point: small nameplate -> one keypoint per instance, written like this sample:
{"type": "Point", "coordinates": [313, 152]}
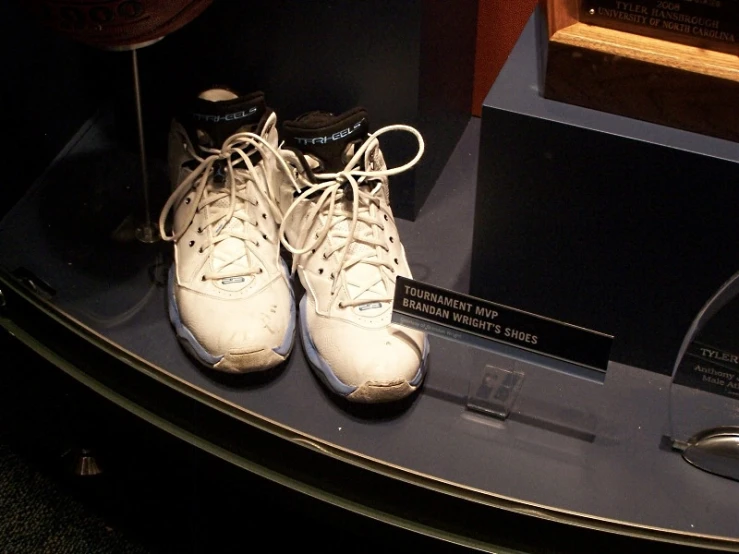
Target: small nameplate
{"type": "Point", "coordinates": [709, 369]}
{"type": "Point", "coordinates": [475, 317]}
{"type": "Point", "coordinates": [703, 21]}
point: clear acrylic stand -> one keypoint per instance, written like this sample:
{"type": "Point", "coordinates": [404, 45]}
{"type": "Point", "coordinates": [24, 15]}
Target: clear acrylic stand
{"type": "Point", "coordinates": [514, 386]}
{"type": "Point", "coordinates": [704, 392]}
{"type": "Point", "coordinates": [493, 390]}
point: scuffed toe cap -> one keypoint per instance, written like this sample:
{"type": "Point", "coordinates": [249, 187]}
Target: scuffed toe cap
{"type": "Point", "coordinates": [240, 334]}
{"type": "Point", "coordinates": [359, 357]}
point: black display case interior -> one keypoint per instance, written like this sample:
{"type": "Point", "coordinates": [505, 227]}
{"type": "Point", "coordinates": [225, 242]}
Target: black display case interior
{"type": "Point", "coordinates": [579, 455]}
{"type": "Point", "coordinates": [411, 63]}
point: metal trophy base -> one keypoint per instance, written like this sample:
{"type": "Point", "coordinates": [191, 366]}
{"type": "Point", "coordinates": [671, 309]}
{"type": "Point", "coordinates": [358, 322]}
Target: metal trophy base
{"type": "Point", "coordinates": [714, 450]}
{"type": "Point", "coordinates": [147, 233]}
{"type": "Point", "coordinates": [82, 462]}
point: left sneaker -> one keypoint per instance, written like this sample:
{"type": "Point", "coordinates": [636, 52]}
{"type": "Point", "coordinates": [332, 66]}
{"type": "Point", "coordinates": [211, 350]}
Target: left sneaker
{"type": "Point", "coordinates": [347, 252]}
{"type": "Point", "coordinates": [230, 296]}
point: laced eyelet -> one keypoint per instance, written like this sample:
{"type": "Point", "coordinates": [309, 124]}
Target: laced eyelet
{"type": "Point", "coordinates": [324, 256]}
{"type": "Point", "coordinates": [202, 278]}
{"type": "Point", "coordinates": [396, 261]}
{"type": "Point", "coordinates": [313, 251]}
{"type": "Point", "coordinates": [188, 200]}
{"type": "Point", "coordinates": [261, 270]}
{"type": "Point", "coordinates": [265, 237]}
{"type": "Point", "coordinates": [264, 216]}
{"type": "Point", "coordinates": [200, 250]}
{"type": "Point", "coordinates": [320, 271]}
{"type": "Point", "coordinates": [256, 244]}
{"type": "Point", "coordinates": [386, 217]}
{"type": "Point", "coordinates": [332, 277]}
{"type": "Point", "coordinates": [191, 243]}
{"type": "Point", "coordinates": [392, 239]}
{"type": "Point", "coordinates": [199, 230]}
{"type": "Point", "coordinates": [341, 305]}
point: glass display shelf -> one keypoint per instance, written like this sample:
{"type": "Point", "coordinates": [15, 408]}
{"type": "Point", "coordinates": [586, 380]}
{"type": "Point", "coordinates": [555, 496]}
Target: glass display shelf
{"type": "Point", "coordinates": [579, 456]}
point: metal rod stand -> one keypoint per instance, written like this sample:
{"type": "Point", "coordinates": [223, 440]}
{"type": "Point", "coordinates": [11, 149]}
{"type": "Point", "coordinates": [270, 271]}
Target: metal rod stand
{"type": "Point", "coordinates": [145, 232]}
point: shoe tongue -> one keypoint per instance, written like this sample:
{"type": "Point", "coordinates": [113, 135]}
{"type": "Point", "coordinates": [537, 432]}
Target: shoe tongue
{"type": "Point", "coordinates": [216, 114]}
{"type": "Point", "coordinates": [326, 137]}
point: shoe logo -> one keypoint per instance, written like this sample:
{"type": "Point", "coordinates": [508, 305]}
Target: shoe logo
{"type": "Point", "coordinates": [227, 117]}
{"type": "Point", "coordinates": [372, 306]}
{"type": "Point", "coordinates": [331, 138]}
{"type": "Point", "coordinates": [232, 280]}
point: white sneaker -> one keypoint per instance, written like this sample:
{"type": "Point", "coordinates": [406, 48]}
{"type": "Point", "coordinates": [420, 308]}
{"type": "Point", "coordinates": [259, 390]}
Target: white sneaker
{"type": "Point", "coordinates": [230, 297]}
{"type": "Point", "coordinates": [348, 254]}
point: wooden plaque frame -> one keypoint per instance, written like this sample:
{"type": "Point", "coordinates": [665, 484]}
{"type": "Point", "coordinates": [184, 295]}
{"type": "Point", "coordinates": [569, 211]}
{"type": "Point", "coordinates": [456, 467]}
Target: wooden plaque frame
{"type": "Point", "coordinates": [646, 78]}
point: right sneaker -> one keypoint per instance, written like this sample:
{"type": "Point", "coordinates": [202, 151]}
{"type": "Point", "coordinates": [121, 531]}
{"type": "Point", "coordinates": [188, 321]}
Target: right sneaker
{"type": "Point", "coordinates": [346, 249]}
{"type": "Point", "coordinates": [230, 296]}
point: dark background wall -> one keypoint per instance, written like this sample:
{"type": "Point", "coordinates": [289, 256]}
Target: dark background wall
{"type": "Point", "coordinates": [46, 93]}
{"type": "Point", "coordinates": [407, 62]}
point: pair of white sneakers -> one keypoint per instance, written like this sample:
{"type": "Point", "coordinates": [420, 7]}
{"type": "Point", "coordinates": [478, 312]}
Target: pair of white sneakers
{"type": "Point", "coordinates": [322, 193]}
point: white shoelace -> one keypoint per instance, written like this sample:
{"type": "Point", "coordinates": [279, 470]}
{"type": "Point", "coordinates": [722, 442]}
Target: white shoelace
{"type": "Point", "coordinates": [234, 188]}
{"type": "Point", "coordinates": [364, 210]}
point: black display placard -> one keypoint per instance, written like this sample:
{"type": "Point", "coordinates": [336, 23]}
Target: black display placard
{"type": "Point", "coordinates": [709, 23]}
{"type": "Point", "coordinates": [496, 322]}
{"type": "Point", "coordinates": [710, 369]}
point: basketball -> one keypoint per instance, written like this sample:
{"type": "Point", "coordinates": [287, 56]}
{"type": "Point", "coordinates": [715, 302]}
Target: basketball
{"type": "Point", "coordinates": [116, 24]}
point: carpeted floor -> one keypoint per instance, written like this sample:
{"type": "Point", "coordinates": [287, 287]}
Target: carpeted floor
{"type": "Point", "coordinates": [40, 516]}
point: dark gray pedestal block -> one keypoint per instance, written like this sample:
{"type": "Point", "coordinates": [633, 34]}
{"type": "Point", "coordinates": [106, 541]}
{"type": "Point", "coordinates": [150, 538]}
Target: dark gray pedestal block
{"type": "Point", "coordinates": [602, 221]}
